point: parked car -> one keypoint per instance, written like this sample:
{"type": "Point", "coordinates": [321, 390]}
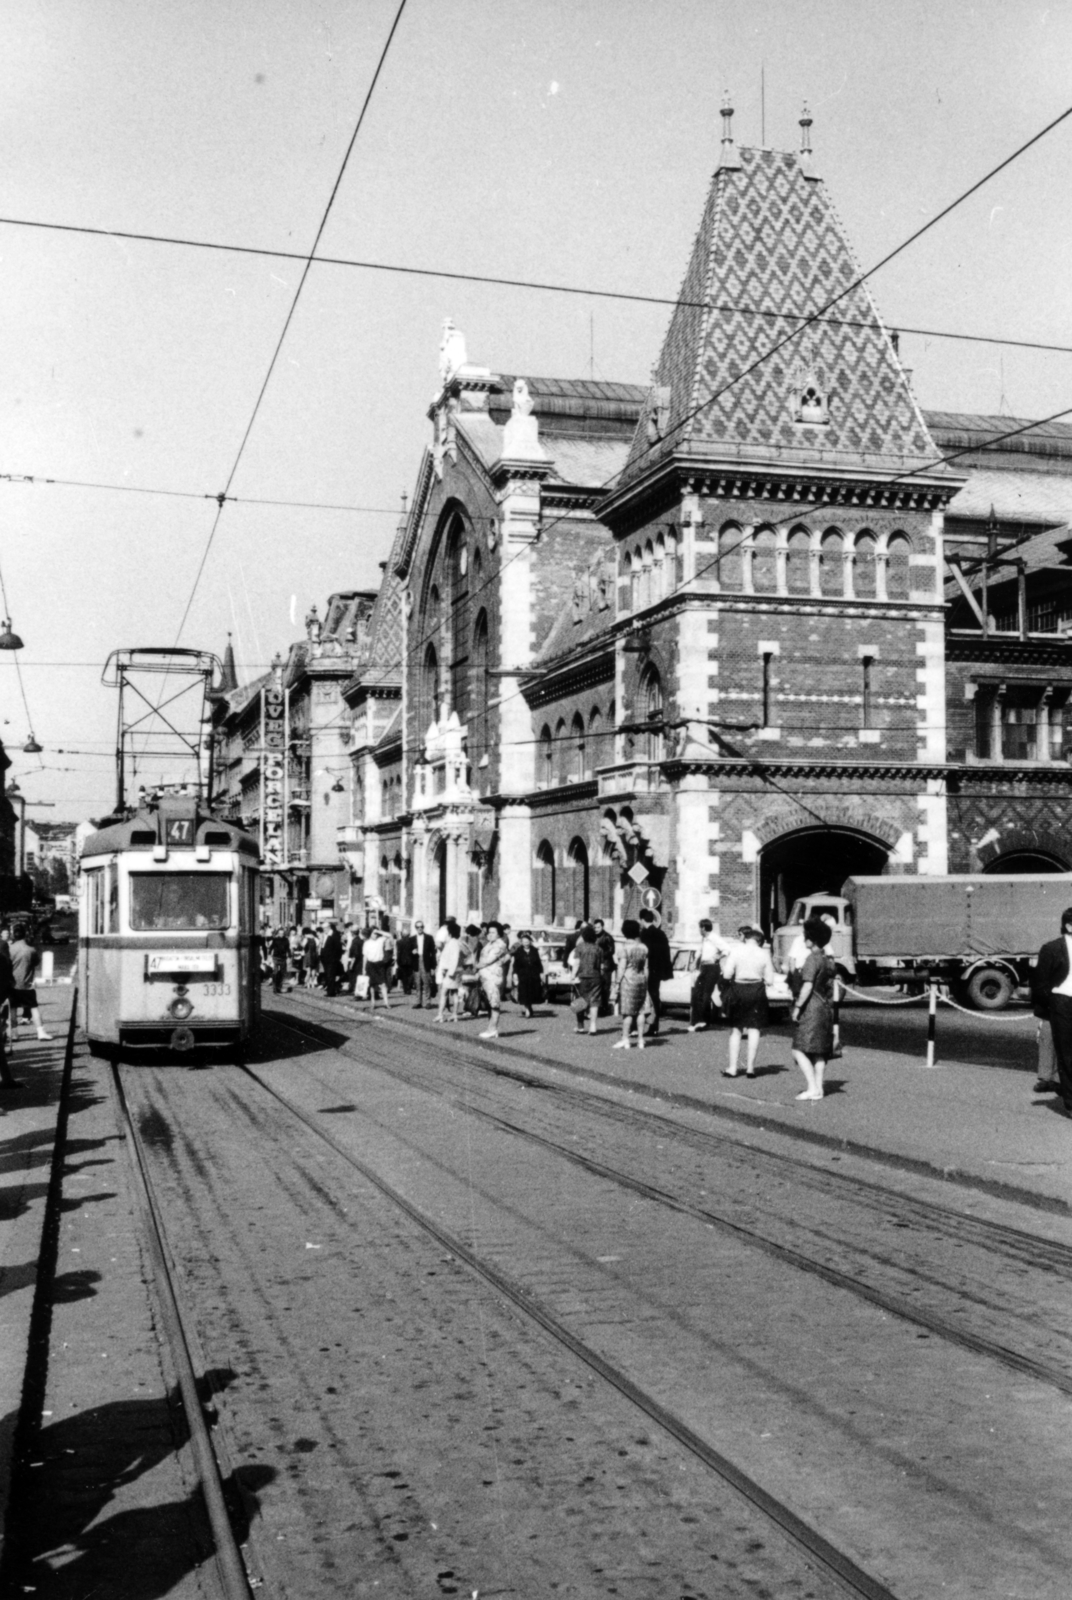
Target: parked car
{"type": "Point", "coordinates": [677, 991]}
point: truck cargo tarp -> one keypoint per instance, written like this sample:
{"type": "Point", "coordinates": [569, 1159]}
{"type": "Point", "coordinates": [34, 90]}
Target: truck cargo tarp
{"type": "Point", "coordinates": [966, 916]}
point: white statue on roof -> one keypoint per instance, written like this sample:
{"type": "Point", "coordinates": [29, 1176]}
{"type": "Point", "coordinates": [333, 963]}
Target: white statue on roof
{"type": "Point", "coordinates": [452, 352]}
{"type": "Point", "coordinates": [521, 435]}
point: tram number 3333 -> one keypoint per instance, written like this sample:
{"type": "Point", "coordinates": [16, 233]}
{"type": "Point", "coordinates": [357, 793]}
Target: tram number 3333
{"type": "Point", "coordinates": [217, 988]}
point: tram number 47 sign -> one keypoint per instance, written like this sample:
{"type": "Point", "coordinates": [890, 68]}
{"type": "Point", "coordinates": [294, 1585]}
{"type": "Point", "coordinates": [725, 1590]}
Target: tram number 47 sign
{"type": "Point", "coordinates": [638, 873]}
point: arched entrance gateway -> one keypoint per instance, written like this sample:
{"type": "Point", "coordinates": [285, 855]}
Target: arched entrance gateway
{"type": "Point", "coordinates": [1029, 862]}
{"type": "Point", "coordinates": [811, 860]}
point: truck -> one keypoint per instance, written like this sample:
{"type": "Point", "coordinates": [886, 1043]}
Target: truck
{"type": "Point", "coordinates": [978, 933]}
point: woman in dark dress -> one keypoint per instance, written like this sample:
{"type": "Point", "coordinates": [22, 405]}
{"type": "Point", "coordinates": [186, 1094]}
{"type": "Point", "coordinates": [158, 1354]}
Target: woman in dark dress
{"type": "Point", "coordinates": [586, 960]}
{"type": "Point", "coordinates": [528, 970]}
{"type": "Point", "coordinates": [813, 1013]}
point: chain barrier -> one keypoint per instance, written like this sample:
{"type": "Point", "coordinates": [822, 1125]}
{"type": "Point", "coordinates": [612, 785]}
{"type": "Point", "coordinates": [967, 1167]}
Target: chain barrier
{"type": "Point", "coordinates": [986, 1015]}
{"type": "Point", "coordinates": [906, 1000]}
{"type": "Point", "coordinates": [913, 999]}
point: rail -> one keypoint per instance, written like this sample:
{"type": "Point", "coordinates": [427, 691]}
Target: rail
{"type": "Point", "coordinates": [234, 1581]}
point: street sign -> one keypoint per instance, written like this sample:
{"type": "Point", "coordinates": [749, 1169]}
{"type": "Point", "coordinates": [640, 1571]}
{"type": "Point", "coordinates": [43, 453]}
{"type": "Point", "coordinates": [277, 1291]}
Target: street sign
{"type": "Point", "coordinates": [638, 873]}
{"type": "Point", "coordinates": [651, 899]}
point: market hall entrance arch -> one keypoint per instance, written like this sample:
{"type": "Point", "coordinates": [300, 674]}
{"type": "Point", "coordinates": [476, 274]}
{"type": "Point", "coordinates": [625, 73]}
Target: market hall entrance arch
{"type": "Point", "coordinates": [811, 861]}
{"type": "Point", "coordinates": [1028, 862]}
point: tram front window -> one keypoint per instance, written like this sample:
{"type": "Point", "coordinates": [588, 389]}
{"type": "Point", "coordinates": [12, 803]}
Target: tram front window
{"type": "Point", "coordinates": [164, 901]}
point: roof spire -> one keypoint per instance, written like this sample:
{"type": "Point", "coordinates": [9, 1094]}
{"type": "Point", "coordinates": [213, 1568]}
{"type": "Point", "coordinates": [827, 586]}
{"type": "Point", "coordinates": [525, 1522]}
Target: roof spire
{"type": "Point", "coordinates": [805, 142]}
{"type": "Point", "coordinates": [728, 156]}
{"type": "Point", "coordinates": [228, 674]}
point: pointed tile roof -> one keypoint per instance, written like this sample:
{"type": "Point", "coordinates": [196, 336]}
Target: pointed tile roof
{"type": "Point", "coordinates": [228, 671]}
{"type": "Point", "coordinates": [771, 250]}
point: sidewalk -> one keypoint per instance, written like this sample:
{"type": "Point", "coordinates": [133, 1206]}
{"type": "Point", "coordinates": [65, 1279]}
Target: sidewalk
{"type": "Point", "coordinates": [27, 1137]}
{"type": "Point", "coordinates": [973, 1118]}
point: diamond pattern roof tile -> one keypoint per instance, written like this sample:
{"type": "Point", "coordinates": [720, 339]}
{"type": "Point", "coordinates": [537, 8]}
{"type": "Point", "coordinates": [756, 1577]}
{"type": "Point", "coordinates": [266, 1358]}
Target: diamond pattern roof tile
{"type": "Point", "coordinates": [770, 250]}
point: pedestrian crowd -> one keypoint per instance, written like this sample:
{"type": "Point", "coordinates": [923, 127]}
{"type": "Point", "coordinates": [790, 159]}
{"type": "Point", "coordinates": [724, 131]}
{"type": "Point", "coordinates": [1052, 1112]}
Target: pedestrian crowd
{"type": "Point", "coordinates": [467, 972]}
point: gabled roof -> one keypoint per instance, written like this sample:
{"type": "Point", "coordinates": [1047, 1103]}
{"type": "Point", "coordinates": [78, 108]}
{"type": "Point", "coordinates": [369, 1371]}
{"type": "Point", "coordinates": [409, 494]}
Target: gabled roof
{"type": "Point", "coordinates": [771, 251]}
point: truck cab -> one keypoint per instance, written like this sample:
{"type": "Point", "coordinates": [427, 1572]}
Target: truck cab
{"type": "Point", "coordinates": [835, 910]}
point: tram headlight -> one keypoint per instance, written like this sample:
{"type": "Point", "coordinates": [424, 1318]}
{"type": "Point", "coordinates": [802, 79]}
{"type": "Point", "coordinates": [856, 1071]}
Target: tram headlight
{"type": "Point", "coordinates": [180, 1009]}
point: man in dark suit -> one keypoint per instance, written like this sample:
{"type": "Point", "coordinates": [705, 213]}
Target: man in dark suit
{"type": "Point", "coordinates": [331, 959]}
{"type": "Point", "coordinates": [1051, 995]}
{"type": "Point", "coordinates": [660, 963]}
{"type": "Point", "coordinates": [418, 951]}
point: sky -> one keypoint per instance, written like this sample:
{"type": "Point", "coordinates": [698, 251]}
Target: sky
{"type": "Point", "coordinates": [566, 141]}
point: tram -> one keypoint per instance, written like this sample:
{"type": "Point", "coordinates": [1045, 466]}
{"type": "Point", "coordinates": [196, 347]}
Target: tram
{"type": "Point", "coordinates": [167, 918]}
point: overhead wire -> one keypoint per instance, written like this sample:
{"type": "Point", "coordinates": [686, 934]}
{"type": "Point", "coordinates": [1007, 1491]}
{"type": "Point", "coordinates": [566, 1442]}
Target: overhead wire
{"type": "Point", "coordinates": [222, 498]}
{"type": "Point", "coordinates": [806, 322]}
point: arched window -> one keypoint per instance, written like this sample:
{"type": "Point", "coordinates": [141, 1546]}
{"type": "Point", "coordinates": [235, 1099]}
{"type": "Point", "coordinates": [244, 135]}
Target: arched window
{"type": "Point", "coordinates": [730, 557]}
{"type": "Point", "coordinates": [832, 563]}
{"type": "Point", "coordinates": [479, 740]}
{"type": "Point", "coordinates": [661, 585]}
{"type": "Point", "coordinates": [578, 749]}
{"type": "Point", "coordinates": [597, 755]}
{"type": "Point", "coordinates": [429, 689]}
{"type": "Point", "coordinates": [575, 894]}
{"type": "Point", "coordinates": [647, 592]}
{"type": "Point", "coordinates": [672, 575]}
{"type": "Point", "coordinates": [863, 566]}
{"type": "Point", "coordinates": [635, 573]}
{"type": "Point", "coordinates": [545, 769]}
{"type": "Point", "coordinates": [798, 562]}
{"type": "Point", "coordinates": [897, 567]}
{"type": "Point", "coordinates": [764, 562]}
{"type": "Point", "coordinates": [651, 709]}
{"type": "Point", "coordinates": [561, 753]}
{"type": "Point", "coordinates": [544, 903]}
{"type": "Point", "coordinates": [457, 628]}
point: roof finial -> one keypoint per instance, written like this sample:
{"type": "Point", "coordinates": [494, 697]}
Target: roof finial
{"type": "Point", "coordinates": [729, 156]}
{"type": "Point", "coordinates": [805, 142]}
{"type": "Point", "coordinates": [727, 118]}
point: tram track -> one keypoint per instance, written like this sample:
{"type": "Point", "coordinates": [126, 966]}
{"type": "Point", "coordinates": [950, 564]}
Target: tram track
{"type": "Point", "coordinates": [629, 1381]}
{"type": "Point", "coordinates": [1019, 1250]}
{"type": "Point", "coordinates": [840, 1574]}
{"type": "Point", "coordinates": [177, 1328]}
{"type": "Point", "coordinates": [837, 1564]}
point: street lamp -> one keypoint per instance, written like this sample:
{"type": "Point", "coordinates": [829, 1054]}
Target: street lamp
{"type": "Point", "coordinates": [15, 793]}
{"type": "Point", "coordinates": [31, 747]}
{"type": "Point", "coordinates": [9, 639]}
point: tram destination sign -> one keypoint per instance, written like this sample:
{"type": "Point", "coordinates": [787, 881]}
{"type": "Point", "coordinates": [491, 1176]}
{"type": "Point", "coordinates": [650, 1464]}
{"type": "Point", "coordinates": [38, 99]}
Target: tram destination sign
{"type": "Point", "coordinates": [158, 962]}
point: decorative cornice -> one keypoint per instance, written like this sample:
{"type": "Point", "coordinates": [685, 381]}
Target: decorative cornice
{"type": "Point", "coordinates": [1008, 649]}
{"type": "Point", "coordinates": [415, 516]}
{"type": "Point", "coordinates": [879, 486]}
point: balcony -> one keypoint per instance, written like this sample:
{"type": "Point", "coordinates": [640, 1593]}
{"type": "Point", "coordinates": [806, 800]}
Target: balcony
{"type": "Point", "coordinates": [633, 777]}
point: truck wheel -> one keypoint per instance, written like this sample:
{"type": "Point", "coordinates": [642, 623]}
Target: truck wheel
{"type": "Point", "coordinates": [989, 989]}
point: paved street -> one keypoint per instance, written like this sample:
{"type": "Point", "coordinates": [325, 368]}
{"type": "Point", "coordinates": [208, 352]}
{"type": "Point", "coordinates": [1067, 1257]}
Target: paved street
{"type": "Point", "coordinates": [495, 1318]}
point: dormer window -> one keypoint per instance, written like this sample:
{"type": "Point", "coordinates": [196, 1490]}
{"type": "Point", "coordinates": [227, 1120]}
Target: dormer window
{"type": "Point", "coordinates": [813, 405]}
{"type": "Point", "coordinates": [809, 397]}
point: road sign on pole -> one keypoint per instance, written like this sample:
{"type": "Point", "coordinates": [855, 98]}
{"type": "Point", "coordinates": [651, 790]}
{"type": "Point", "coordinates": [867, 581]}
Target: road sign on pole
{"type": "Point", "coordinates": [651, 899]}
{"type": "Point", "coordinates": [638, 873]}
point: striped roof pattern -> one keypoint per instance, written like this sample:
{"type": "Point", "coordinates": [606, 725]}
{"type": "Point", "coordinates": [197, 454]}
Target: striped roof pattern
{"type": "Point", "coordinates": [771, 250]}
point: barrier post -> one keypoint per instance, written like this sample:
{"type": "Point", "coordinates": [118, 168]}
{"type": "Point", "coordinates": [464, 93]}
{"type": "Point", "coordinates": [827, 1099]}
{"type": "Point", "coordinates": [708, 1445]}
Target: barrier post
{"type": "Point", "coordinates": [837, 1014]}
{"type": "Point", "coordinates": [932, 1017]}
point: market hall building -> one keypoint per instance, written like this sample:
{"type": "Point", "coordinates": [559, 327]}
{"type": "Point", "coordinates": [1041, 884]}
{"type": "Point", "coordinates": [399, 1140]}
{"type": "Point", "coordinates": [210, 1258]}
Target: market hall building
{"type": "Point", "coordinates": [732, 636]}
{"type": "Point", "coordinates": [688, 637]}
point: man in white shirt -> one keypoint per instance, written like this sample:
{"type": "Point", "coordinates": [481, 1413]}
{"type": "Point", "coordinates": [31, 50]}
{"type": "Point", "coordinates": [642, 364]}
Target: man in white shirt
{"type": "Point", "coordinates": [712, 949]}
{"type": "Point", "coordinates": [1051, 994]}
